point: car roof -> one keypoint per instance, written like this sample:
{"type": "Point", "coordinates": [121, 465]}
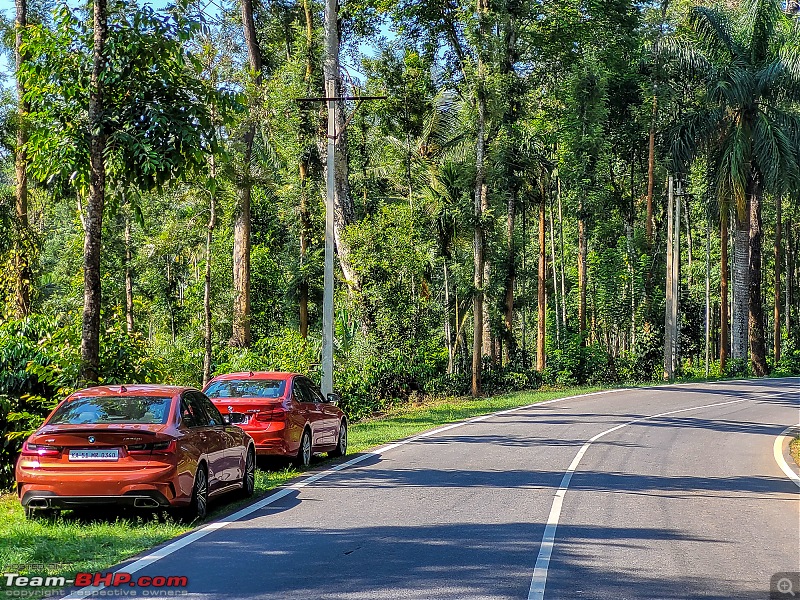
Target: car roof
{"type": "Point", "coordinates": [256, 375]}
{"type": "Point", "coordinates": [134, 389]}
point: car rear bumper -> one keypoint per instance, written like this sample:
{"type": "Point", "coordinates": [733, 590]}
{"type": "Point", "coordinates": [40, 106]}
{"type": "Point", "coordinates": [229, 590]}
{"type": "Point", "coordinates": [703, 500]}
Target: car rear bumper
{"type": "Point", "coordinates": [101, 487]}
{"type": "Point", "coordinates": [42, 499]}
{"type": "Point", "coordinates": [269, 440]}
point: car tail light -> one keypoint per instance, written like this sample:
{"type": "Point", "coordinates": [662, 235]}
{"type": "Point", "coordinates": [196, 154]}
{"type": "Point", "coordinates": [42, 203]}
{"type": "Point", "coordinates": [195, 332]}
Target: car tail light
{"type": "Point", "coordinates": [275, 414]}
{"type": "Point", "coordinates": [168, 447]}
{"type": "Point", "coordinates": [29, 449]}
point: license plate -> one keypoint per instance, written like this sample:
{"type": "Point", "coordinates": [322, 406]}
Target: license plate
{"type": "Point", "coordinates": [94, 454]}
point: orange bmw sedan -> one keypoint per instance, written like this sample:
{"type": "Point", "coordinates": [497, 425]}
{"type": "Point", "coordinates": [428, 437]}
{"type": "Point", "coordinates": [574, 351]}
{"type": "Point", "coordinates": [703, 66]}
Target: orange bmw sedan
{"type": "Point", "coordinates": [146, 446]}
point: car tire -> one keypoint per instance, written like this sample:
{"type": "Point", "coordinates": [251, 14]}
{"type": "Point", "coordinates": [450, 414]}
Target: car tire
{"type": "Point", "coordinates": [341, 445]}
{"type": "Point", "coordinates": [249, 475]}
{"type": "Point", "coordinates": [198, 507]}
{"type": "Point", "coordinates": [305, 451]}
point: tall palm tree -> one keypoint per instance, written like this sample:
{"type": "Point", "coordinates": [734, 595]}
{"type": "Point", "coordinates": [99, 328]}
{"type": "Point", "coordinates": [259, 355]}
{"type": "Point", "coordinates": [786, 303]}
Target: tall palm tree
{"type": "Point", "coordinates": [748, 124]}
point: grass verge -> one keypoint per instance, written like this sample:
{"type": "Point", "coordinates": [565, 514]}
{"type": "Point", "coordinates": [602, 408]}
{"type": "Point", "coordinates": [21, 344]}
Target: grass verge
{"type": "Point", "coordinates": [794, 449]}
{"type": "Point", "coordinates": [79, 543]}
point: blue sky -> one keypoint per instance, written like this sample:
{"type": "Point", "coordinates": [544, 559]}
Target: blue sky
{"type": "Point", "coordinates": [7, 10]}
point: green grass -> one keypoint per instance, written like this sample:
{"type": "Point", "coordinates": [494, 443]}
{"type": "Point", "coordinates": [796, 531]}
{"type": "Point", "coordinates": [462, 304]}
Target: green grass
{"type": "Point", "coordinates": [75, 543]}
{"type": "Point", "coordinates": [794, 449]}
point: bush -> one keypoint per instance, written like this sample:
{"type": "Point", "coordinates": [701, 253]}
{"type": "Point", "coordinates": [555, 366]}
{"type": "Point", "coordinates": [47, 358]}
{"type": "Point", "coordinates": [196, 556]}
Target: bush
{"type": "Point", "coordinates": [40, 365]}
{"type": "Point", "coordinates": [789, 364]}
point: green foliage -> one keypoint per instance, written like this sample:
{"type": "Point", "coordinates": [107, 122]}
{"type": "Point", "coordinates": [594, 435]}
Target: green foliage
{"type": "Point", "coordinates": [287, 351]}
{"type": "Point", "coordinates": [157, 115]}
{"type": "Point", "coordinates": [569, 104]}
{"type": "Point", "coordinates": [40, 365]}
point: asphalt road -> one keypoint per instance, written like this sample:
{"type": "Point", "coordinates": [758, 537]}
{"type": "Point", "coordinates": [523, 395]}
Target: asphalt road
{"type": "Point", "coordinates": [690, 504]}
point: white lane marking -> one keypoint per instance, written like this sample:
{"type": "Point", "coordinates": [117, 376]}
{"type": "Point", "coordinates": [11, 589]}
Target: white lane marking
{"type": "Point", "coordinates": [539, 579]}
{"type": "Point", "coordinates": [777, 451]}
{"type": "Point", "coordinates": [149, 559]}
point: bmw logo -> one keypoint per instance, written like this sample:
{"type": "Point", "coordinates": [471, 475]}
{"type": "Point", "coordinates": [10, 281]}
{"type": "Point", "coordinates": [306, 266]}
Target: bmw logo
{"type": "Point", "coordinates": [91, 439]}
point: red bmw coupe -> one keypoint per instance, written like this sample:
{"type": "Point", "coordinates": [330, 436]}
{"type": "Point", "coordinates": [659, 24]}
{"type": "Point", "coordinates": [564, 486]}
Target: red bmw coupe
{"type": "Point", "coordinates": [146, 446]}
{"type": "Point", "coordinates": [285, 413]}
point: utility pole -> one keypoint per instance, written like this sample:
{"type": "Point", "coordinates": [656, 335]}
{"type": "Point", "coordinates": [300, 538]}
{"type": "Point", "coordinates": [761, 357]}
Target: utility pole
{"type": "Point", "coordinates": [327, 295]}
{"type": "Point", "coordinates": [331, 99]}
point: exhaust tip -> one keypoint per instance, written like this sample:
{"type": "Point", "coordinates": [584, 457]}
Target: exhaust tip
{"type": "Point", "coordinates": [39, 503]}
{"type": "Point", "coordinates": [145, 503]}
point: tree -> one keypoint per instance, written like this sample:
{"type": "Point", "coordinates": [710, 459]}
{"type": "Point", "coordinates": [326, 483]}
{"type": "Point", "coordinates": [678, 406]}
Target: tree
{"type": "Point", "coordinates": [241, 230]}
{"type": "Point", "coordinates": [97, 115]}
{"type": "Point", "coordinates": [90, 334]}
{"type": "Point", "coordinates": [749, 68]}
{"type": "Point", "coordinates": [22, 270]}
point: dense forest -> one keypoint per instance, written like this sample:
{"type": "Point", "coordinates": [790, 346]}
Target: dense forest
{"type": "Point", "coordinates": [550, 192]}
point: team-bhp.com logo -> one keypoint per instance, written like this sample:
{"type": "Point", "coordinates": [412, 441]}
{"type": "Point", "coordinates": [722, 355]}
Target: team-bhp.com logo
{"type": "Point", "coordinates": [113, 584]}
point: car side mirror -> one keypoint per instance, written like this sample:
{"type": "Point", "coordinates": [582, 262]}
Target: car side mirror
{"type": "Point", "coordinates": [334, 399]}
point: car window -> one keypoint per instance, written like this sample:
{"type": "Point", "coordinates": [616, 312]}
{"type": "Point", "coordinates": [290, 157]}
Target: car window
{"type": "Point", "coordinates": [300, 392]}
{"type": "Point", "coordinates": [189, 416]}
{"type": "Point", "coordinates": [113, 409]}
{"type": "Point", "coordinates": [214, 416]}
{"type": "Point", "coordinates": [246, 388]}
{"type": "Point", "coordinates": [312, 390]}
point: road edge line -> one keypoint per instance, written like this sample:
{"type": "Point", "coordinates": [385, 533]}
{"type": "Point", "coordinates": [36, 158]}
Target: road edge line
{"type": "Point", "coordinates": [777, 452]}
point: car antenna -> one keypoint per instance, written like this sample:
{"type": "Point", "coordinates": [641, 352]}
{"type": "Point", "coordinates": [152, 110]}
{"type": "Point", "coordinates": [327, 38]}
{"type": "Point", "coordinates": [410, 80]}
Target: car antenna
{"type": "Point", "coordinates": [251, 373]}
{"type": "Point", "coordinates": [122, 388]}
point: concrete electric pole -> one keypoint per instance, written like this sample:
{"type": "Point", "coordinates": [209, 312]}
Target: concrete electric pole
{"type": "Point", "coordinates": [331, 99]}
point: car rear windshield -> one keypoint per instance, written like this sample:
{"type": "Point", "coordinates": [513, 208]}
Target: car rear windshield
{"type": "Point", "coordinates": [247, 388]}
{"type": "Point", "coordinates": [113, 409]}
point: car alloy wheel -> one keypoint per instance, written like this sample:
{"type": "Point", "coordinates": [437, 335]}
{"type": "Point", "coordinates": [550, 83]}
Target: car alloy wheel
{"type": "Point", "coordinates": [249, 480]}
{"type": "Point", "coordinates": [200, 495]}
{"type": "Point", "coordinates": [304, 452]}
{"type": "Point", "coordinates": [341, 447]}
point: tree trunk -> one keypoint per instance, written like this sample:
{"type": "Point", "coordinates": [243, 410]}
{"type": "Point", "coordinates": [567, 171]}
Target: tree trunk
{"type": "Point", "coordinates": [488, 342]}
{"type": "Point", "coordinates": [542, 299]}
{"type": "Point", "coordinates": [92, 240]}
{"type": "Point", "coordinates": [448, 333]}
{"type": "Point", "coordinates": [651, 165]}
{"type": "Point", "coordinates": [741, 283]}
{"type": "Point", "coordinates": [241, 254]}
{"type": "Point", "coordinates": [511, 275]}
{"type": "Point", "coordinates": [22, 270]}
{"type": "Point", "coordinates": [480, 200]}
{"type": "Point", "coordinates": [555, 274]}
{"type": "Point", "coordinates": [689, 239]}
{"type": "Point", "coordinates": [758, 349]}
{"type": "Point", "coordinates": [309, 39]}
{"type": "Point", "coordinates": [478, 251]}
{"type": "Point", "coordinates": [207, 331]}
{"type": "Point", "coordinates": [561, 253]}
{"type": "Point", "coordinates": [790, 268]}
{"type": "Point", "coordinates": [723, 289]}
{"type": "Point", "coordinates": [776, 335]}
{"type": "Point", "coordinates": [305, 214]}
{"type": "Point", "coordinates": [305, 235]}
{"type": "Point", "coordinates": [582, 279]}
{"type": "Point", "coordinates": [128, 275]}
{"type": "Point", "coordinates": [241, 225]}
